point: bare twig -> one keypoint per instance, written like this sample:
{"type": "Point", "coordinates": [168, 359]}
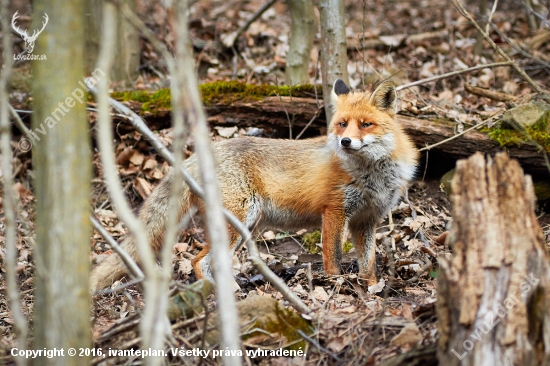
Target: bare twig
{"type": "Point", "coordinates": [309, 123]}
{"type": "Point", "coordinates": [195, 188]}
{"type": "Point", "coordinates": [491, 94]}
{"type": "Point", "coordinates": [516, 47]}
{"type": "Point", "coordinates": [148, 328]}
{"type": "Point", "coordinates": [493, 9]}
{"type": "Point", "coordinates": [468, 16]}
{"type": "Point", "coordinates": [229, 40]}
{"type": "Point", "coordinates": [453, 73]}
{"type": "Point", "coordinates": [9, 203]}
{"type": "Point", "coordinates": [454, 137]}
{"type": "Point", "coordinates": [19, 123]}
{"type": "Point", "coordinates": [213, 208]}
{"type": "Point", "coordinates": [126, 258]}
{"type": "Point", "coordinates": [317, 345]}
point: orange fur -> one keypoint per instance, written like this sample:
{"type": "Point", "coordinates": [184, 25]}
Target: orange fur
{"type": "Point", "coordinates": [290, 184]}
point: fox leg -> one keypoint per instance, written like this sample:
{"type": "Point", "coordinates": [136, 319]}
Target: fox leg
{"type": "Point", "coordinates": [365, 244]}
{"type": "Point", "coordinates": [202, 265]}
{"type": "Point", "coordinates": [249, 216]}
{"type": "Point", "coordinates": [333, 236]}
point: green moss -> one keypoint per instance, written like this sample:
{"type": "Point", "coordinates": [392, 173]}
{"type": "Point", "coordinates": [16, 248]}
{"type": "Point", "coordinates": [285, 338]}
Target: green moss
{"type": "Point", "coordinates": [286, 323]}
{"type": "Point", "coordinates": [310, 241]}
{"type": "Point", "coordinates": [161, 99]}
{"type": "Point", "coordinates": [347, 247]}
{"type": "Point", "coordinates": [151, 101]}
{"type": "Point", "coordinates": [230, 91]}
{"type": "Point", "coordinates": [537, 133]}
{"type": "Point", "coordinates": [217, 92]}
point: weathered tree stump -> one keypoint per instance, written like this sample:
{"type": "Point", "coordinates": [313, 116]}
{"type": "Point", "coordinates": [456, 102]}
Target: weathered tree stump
{"type": "Point", "coordinates": [494, 294]}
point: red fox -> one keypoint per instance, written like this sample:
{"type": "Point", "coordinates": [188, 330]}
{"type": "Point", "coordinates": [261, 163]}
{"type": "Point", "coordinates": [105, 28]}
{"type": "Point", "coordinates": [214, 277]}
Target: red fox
{"type": "Point", "coordinates": [348, 180]}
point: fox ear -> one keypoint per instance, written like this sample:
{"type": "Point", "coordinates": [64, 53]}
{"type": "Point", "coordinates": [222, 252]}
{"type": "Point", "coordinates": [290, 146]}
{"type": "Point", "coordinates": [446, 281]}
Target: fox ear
{"type": "Point", "coordinates": [384, 97]}
{"type": "Point", "coordinates": [339, 88]}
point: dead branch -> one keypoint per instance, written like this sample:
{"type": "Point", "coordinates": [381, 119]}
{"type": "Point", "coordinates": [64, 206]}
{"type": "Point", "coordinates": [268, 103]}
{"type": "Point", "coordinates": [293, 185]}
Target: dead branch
{"type": "Point", "coordinates": [491, 94]}
{"type": "Point", "coordinates": [453, 73]}
{"type": "Point", "coordinates": [148, 326]}
{"type": "Point", "coordinates": [405, 40]}
{"type": "Point", "coordinates": [213, 208]}
{"type": "Point", "coordinates": [140, 126]}
{"type": "Point", "coordinates": [132, 266]}
{"type": "Point", "coordinates": [9, 202]}
{"type": "Point", "coordinates": [465, 13]}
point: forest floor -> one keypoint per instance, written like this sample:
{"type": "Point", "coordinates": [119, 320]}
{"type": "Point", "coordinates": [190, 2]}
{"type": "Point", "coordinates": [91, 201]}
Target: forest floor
{"type": "Point", "coordinates": [352, 325]}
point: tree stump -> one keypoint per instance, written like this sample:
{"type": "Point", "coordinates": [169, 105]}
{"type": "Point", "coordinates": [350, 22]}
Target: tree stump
{"type": "Point", "coordinates": [494, 293]}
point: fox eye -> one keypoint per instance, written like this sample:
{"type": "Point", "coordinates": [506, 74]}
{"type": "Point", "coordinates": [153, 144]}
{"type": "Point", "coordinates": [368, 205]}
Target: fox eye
{"type": "Point", "coordinates": [343, 124]}
{"type": "Point", "coordinates": [366, 124]}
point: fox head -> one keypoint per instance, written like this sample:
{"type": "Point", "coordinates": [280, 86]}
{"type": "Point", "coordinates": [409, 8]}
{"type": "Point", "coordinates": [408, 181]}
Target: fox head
{"type": "Point", "coordinates": [363, 123]}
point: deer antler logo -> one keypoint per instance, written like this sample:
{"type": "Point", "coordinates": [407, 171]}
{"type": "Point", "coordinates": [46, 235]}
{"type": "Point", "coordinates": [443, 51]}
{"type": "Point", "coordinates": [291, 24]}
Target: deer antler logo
{"type": "Point", "coordinates": [29, 40]}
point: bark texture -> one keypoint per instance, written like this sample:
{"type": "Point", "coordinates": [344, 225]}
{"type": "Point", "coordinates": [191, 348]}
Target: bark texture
{"type": "Point", "coordinates": [124, 70]}
{"type": "Point", "coordinates": [494, 294]}
{"type": "Point", "coordinates": [127, 56]}
{"type": "Point", "coordinates": [334, 57]}
{"type": "Point", "coordinates": [302, 33]}
{"type": "Point", "coordinates": [61, 157]}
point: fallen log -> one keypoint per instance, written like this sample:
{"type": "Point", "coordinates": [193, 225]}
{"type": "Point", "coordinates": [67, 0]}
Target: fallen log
{"type": "Point", "coordinates": [278, 113]}
{"type": "Point", "coordinates": [270, 112]}
{"type": "Point", "coordinates": [494, 293]}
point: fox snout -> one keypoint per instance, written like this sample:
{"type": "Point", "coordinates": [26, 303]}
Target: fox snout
{"type": "Point", "coordinates": [351, 143]}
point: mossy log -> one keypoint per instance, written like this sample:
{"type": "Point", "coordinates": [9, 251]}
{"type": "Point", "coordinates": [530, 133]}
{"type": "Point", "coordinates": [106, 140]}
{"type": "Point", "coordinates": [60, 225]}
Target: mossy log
{"type": "Point", "coordinates": [276, 108]}
{"type": "Point", "coordinates": [493, 303]}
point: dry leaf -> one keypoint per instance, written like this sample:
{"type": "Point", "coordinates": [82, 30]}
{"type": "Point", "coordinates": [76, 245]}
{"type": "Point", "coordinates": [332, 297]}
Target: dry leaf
{"type": "Point", "coordinates": [181, 247]}
{"type": "Point", "coordinates": [320, 294]}
{"type": "Point", "coordinates": [150, 164]}
{"type": "Point", "coordinates": [374, 289]}
{"type": "Point", "coordinates": [184, 266]}
{"type": "Point", "coordinates": [226, 132]}
{"type": "Point", "coordinates": [269, 235]}
{"type": "Point", "coordinates": [337, 344]}
{"type": "Point", "coordinates": [409, 337]}
{"type": "Point", "coordinates": [142, 187]}
{"type": "Point", "coordinates": [137, 158]}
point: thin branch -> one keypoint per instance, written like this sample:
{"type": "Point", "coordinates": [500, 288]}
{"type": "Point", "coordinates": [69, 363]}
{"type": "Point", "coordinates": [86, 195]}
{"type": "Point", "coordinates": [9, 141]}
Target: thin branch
{"type": "Point", "coordinates": [19, 123]}
{"type": "Point", "coordinates": [465, 13]}
{"type": "Point", "coordinates": [516, 47]}
{"type": "Point", "coordinates": [9, 203]}
{"type": "Point", "coordinates": [213, 208]}
{"type": "Point", "coordinates": [453, 73]}
{"type": "Point", "coordinates": [493, 9]}
{"type": "Point", "coordinates": [453, 137]}
{"type": "Point", "coordinates": [229, 40]}
{"type": "Point", "coordinates": [126, 258]}
{"type": "Point", "coordinates": [195, 188]}
{"type": "Point", "coordinates": [105, 138]}
{"type": "Point", "coordinates": [309, 123]}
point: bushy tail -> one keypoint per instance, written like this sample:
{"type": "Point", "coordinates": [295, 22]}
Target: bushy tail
{"type": "Point", "coordinates": [153, 216]}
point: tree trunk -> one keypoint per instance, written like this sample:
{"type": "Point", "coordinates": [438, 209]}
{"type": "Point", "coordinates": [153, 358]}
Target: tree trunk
{"type": "Point", "coordinates": [61, 158]}
{"type": "Point", "coordinates": [127, 57]}
{"type": "Point", "coordinates": [124, 71]}
{"type": "Point", "coordinates": [92, 34]}
{"type": "Point", "coordinates": [494, 294]}
{"type": "Point", "coordinates": [334, 57]}
{"type": "Point", "coordinates": [302, 32]}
